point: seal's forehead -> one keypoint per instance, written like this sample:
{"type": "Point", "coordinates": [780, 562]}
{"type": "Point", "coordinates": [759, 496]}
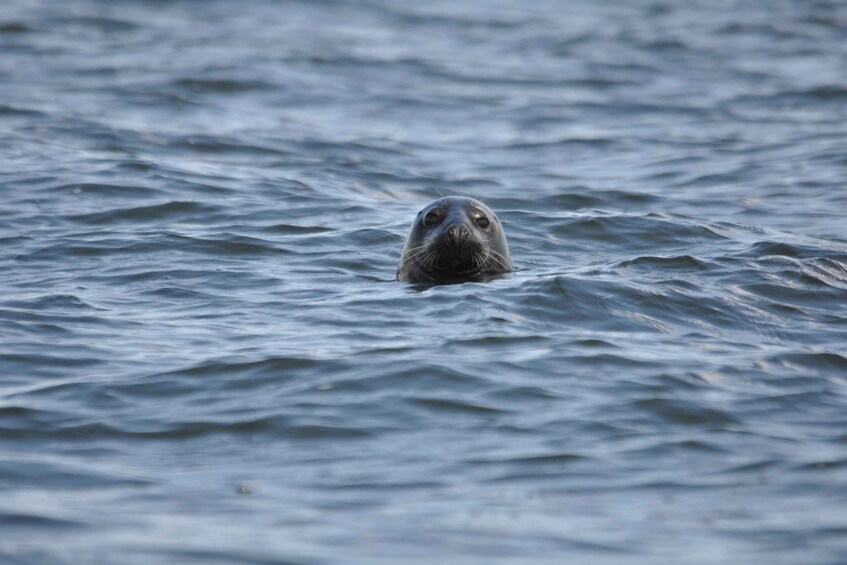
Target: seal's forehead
{"type": "Point", "coordinates": [449, 202]}
{"type": "Point", "coordinates": [440, 203]}
{"type": "Point", "coordinates": [479, 207]}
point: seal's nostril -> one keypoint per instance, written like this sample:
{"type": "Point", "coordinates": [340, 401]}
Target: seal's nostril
{"type": "Point", "coordinates": [458, 232]}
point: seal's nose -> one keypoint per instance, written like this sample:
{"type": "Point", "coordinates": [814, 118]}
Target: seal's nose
{"type": "Point", "coordinates": [458, 232]}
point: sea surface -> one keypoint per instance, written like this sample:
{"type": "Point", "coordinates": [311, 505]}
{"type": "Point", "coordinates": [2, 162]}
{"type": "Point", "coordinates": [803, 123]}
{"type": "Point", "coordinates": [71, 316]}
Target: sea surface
{"type": "Point", "coordinates": [204, 355]}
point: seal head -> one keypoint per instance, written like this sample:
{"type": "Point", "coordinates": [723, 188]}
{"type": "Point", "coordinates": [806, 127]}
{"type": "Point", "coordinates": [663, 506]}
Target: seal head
{"type": "Point", "coordinates": [454, 239]}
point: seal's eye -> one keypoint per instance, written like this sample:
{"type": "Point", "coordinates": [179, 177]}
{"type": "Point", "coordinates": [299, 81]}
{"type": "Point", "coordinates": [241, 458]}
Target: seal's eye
{"type": "Point", "coordinates": [430, 219]}
{"type": "Point", "coordinates": [482, 222]}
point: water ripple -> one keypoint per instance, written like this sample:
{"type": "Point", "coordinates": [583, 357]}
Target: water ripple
{"type": "Point", "coordinates": [206, 358]}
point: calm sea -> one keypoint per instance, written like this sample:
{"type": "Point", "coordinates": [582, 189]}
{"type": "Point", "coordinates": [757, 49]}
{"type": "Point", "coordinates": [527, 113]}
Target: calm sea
{"type": "Point", "coordinates": [204, 356]}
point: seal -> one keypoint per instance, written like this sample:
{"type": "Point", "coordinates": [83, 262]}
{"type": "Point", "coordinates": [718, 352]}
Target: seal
{"type": "Point", "coordinates": [454, 239]}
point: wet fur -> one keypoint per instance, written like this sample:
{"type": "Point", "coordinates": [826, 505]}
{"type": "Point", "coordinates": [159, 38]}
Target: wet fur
{"type": "Point", "coordinates": [431, 255]}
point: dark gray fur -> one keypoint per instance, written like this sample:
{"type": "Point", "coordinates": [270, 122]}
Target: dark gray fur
{"type": "Point", "coordinates": [450, 242]}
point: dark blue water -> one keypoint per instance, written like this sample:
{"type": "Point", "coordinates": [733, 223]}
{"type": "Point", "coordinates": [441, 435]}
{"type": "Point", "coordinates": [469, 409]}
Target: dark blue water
{"type": "Point", "coordinates": [204, 357]}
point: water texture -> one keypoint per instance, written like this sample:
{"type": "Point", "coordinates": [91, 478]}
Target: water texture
{"type": "Point", "coordinates": [204, 356]}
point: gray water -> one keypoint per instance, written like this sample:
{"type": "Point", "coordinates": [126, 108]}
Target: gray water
{"type": "Point", "coordinates": [204, 356]}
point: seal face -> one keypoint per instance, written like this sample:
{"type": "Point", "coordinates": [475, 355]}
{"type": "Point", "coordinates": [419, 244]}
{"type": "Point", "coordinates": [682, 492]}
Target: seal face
{"type": "Point", "coordinates": [454, 239]}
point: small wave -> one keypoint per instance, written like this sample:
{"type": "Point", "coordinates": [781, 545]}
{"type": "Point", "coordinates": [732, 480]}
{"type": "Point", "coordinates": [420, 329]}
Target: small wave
{"type": "Point", "coordinates": [532, 460]}
{"type": "Point", "coordinates": [14, 27]}
{"type": "Point", "coordinates": [824, 362]}
{"type": "Point", "coordinates": [228, 245]}
{"type": "Point", "coordinates": [25, 473]}
{"type": "Point", "coordinates": [761, 249]}
{"type": "Point", "coordinates": [218, 145]}
{"type": "Point", "coordinates": [166, 211]}
{"type": "Point", "coordinates": [454, 405]}
{"type": "Point", "coordinates": [632, 231]}
{"type": "Point", "coordinates": [290, 229]}
{"type": "Point", "coordinates": [274, 367]}
{"type": "Point", "coordinates": [101, 24]}
{"type": "Point", "coordinates": [224, 85]}
{"type": "Point", "coordinates": [677, 263]}
{"type": "Point", "coordinates": [50, 302]}
{"type": "Point", "coordinates": [18, 111]}
{"type": "Point", "coordinates": [109, 190]}
{"type": "Point", "coordinates": [13, 520]}
{"type": "Point", "coordinates": [685, 412]}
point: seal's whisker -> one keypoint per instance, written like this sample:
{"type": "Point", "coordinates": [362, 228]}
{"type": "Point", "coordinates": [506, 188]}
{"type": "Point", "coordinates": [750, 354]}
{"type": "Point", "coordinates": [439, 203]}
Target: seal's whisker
{"type": "Point", "coordinates": [416, 252]}
{"type": "Point", "coordinates": [411, 256]}
{"type": "Point", "coordinates": [500, 259]}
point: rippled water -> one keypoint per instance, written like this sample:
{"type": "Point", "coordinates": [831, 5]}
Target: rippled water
{"type": "Point", "coordinates": [204, 357]}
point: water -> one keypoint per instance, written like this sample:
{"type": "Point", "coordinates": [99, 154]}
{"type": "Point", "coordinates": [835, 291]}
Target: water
{"type": "Point", "coordinates": [205, 357]}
